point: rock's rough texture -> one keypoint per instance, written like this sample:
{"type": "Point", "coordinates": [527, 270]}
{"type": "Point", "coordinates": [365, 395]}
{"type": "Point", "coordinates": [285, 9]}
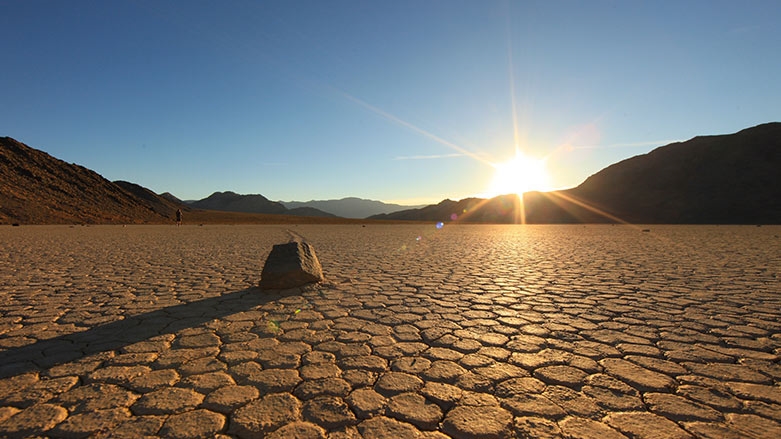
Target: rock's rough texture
{"type": "Point", "coordinates": [291, 265]}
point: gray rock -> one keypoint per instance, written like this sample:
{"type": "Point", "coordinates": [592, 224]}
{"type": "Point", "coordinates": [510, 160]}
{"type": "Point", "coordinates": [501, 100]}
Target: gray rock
{"type": "Point", "coordinates": [291, 265]}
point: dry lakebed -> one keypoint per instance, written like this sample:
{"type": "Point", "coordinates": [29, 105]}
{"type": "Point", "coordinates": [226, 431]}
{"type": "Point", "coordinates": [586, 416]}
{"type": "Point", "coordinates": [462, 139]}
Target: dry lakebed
{"type": "Point", "coordinates": [463, 331]}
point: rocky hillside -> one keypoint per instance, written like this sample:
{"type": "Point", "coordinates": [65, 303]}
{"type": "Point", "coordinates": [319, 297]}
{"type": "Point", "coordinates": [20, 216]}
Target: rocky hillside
{"type": "Point", "coordinates": [161, 204]}
{"type": "Point", "coordinates": [37, 188]}
{"type": "Point", "coordinates": [40, 189]}
{"type": "Point", "coordinates": [725, 179]}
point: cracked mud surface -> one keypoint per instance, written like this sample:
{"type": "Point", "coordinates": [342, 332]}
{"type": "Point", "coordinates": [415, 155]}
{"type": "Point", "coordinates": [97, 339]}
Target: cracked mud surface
{"type": "Point", "coordinates": [463, 332]}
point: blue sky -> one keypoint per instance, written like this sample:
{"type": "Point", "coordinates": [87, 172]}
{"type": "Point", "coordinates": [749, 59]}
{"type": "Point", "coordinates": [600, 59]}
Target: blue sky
{"type": "Point", "coordinates": [406, 101]}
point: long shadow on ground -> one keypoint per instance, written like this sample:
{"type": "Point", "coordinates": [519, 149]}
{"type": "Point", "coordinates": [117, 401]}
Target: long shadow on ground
{"type": "Point", "coordinates": [132, 329]}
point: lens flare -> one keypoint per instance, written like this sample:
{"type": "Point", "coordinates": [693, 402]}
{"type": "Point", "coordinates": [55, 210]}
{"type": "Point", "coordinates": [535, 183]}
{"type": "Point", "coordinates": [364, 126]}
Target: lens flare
{"type": "Point", "coordinates": [520, 174]}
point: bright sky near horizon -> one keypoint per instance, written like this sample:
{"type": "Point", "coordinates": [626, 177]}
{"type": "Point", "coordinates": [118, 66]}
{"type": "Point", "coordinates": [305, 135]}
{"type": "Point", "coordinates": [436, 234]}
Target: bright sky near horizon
{"type": "Point", "coordinates": [400, 101]}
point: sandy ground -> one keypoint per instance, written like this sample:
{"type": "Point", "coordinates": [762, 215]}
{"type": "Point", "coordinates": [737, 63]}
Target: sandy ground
{"type": "Point", "coordinates": [464, 331]}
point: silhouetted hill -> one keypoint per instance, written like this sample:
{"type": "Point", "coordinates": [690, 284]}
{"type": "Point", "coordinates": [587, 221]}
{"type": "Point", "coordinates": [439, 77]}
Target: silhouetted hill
{"type": "Point", "coordinates": [538, 208]}
{"type": "Point", "coordinates": [172, 198]}
{"type": "Point", "coordinates": [158, 203]}
{"type": "Point", "coordinates": [725, 179]}
{"type": "Point", "coordinates": [233, 202]}
{"type": "Point", "coordinates": [350, 207]}
{"type": "Point", "coordinates": [40, 189]}
{"type": "Point", "coordinates": [733, 178]}
{"type": "Point", "coordinates": [435, 212]}
{"type": "Point", "coordinates": [309, 211]}
{"type": "Point", "coordinates": [253, 203]}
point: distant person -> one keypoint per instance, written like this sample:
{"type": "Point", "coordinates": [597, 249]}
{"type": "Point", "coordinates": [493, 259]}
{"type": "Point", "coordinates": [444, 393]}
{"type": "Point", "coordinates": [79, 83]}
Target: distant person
{"type": "Point", "coordinates": [178, 217]}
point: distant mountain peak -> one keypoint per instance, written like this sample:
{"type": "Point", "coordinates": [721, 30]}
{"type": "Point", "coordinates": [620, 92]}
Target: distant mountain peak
{"type": "Point", "coordinates": [171, 197]}
{"type": "Point", "coordinates": [349, 207]}
{"type": "Point", "coordinates": [251, 203]}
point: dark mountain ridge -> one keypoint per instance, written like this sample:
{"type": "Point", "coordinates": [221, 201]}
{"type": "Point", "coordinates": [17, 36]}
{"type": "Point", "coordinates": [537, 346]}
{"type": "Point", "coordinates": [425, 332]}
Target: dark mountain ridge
{"type": "Point", "coordinates": [233, 202]}
{"type": "Point", "coordinates": [724, 179]}
{"type": "Point", "coordinates": [160, 204]}
{"type": "Point", "coordinates": [732, 178]}
{"type": "Point", "coordinates": [350, 207]}
{"type": "Point", "coordinates": [172, 198]}
{"type": "Point", "coordinates": [253, 203]}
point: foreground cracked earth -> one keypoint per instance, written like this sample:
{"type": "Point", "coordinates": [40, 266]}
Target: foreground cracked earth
{"type": "Point", "coordinates": [464, 332]}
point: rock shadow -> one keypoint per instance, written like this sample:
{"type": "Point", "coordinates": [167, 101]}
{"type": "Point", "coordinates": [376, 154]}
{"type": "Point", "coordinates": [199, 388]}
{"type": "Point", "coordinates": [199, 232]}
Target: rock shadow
{"type": "Point", "coordinates": [47, 353]}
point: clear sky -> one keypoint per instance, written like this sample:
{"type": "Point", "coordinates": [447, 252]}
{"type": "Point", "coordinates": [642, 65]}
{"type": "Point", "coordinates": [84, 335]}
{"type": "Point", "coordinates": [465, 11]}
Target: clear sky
{"type": "Point", "coordinates": [405, 101]}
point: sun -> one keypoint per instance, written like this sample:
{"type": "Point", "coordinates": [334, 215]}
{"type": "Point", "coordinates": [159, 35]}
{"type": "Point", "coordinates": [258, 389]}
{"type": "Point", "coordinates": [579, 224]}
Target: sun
{"type": "Point", "coordinates": [520, 174]}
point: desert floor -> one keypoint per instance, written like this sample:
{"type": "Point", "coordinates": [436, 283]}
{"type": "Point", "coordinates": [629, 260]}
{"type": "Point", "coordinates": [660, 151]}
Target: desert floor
{"type": "Point", "coordinates": [464, 331]}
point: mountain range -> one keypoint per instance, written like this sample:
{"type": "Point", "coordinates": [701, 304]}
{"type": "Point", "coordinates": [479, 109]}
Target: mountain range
{"type": "Point", "coordinates": [350, 207]}
{"type": "Point", "coordinates": [252, 203]}
{"type": "Point", "coordinates": [40, 189]}
{"type": "Point", "coordinates": [724, 179]}
{"type": "Point", "coordinates": [720, 179]}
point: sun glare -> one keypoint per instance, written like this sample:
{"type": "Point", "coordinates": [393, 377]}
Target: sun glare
{"type": "Point", "coordinates": [520, 174]}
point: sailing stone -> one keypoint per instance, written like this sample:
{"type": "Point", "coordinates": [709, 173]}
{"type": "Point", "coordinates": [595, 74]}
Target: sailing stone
{"type": "Point", "coordinates": [291, 265]}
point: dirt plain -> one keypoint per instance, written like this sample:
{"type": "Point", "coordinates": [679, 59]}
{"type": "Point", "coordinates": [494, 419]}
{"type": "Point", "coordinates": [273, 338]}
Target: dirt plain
{"type": "Point", "coordinates": [418, 331]}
